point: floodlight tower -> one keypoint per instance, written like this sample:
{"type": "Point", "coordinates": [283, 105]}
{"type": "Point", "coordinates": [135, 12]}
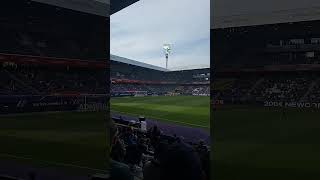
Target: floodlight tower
{"type": "Point", "coordinates": [167, 50]}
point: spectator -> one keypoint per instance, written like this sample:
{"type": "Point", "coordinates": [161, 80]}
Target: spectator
{"type": "Point", "coordinates": [178, 161]}
{"type": "Point", "coordinates": [119, 170]}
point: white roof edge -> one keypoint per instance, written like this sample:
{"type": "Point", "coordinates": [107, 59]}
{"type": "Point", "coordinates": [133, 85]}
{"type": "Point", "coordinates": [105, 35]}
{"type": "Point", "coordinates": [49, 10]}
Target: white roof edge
{"type": "Point", "coordinates": [190, 68]}
{"type": "Point", "coordinates": [275, 17]}
{"type": "Point", "coordinates": [136, 63]}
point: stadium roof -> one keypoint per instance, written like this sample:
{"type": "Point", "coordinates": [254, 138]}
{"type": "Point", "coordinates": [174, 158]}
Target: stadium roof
{"type": "Point", "coordinates": [231, 13]}
{"type": "Point", "coordinates": [135, 63]}
{"type": "Point", "coordinates": [149, 66]}
{"type": "Point", "coordinates": [117, 5]}
{"type": "Point", "coordinates": [97, 7]}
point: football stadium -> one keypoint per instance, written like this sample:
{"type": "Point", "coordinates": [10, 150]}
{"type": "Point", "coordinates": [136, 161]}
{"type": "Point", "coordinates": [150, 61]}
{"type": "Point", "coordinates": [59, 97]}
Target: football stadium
{"type": "Point", "coordinates": [265, 95]}
{"type": "Point", "coordinates": [177, 102]}
{"type": "Point", "coordinates": [54, 95]}
{"type": "Point", "coordinates": [160, 116]}
{"type": "Point", "coordinates": [178, 97]}
{"type": "Point", "coordinates": [155, 109]}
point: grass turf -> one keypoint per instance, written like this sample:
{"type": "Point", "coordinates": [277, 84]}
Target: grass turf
{"type": "Point", "coordinates": [78, 138]}
{"type": "Point", "coordinates": [184, 110]}
{"type": "Point", "coordinates": [248, 143]}
{"type": "Point", "coordinates": [264, 144]}
{"type": "Point", "coordinates": [69, 138]}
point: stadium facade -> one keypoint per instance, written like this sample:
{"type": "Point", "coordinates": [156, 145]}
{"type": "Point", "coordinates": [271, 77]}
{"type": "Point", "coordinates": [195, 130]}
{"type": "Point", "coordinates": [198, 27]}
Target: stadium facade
{"type": "Point", "coordinates": [130, 78]}
{"type": "Point", "coordinates": [267, 56]}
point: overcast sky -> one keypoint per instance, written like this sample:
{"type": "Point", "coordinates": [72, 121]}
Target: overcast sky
{"type": "Point", "coordinates": [139, 31]}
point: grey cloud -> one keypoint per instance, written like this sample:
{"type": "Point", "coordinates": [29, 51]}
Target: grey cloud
{"type": "Point", "coordinates": [139, 31]}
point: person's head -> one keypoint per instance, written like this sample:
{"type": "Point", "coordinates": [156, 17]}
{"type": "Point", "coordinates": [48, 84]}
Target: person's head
{"type": "Point", "coordinates": [141, 141]}
{"type": "Point", "coordinates": [201, 142]}
{"type": "Point", "coordinates": [177, 161]}
{"type": "Point", "coordinates": [32, 175]}
{"type": "Point", "coordinates": [151, 171]}
{"type": "Point", "coordinates": [117, 150]}
{"type": "Point", "coordinates": [113, 130]}
{"type": "Point", "coordinates": [155, 128]}
{"type": "Point", "coordinates": [133, 154]}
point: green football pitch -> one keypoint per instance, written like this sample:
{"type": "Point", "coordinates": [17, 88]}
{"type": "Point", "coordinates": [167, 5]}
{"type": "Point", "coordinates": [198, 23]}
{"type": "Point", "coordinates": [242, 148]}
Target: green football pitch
{"type": "Point", "coordinates": [68, 140]}
{"type": "Point", "coordinates": [265, 144]}
{"type": "Point", "coordinates": [183, 110]}
{"type": "Point", "coordinates": [79, 139]}
{"type": "Point", "coordinates": [248, 143]}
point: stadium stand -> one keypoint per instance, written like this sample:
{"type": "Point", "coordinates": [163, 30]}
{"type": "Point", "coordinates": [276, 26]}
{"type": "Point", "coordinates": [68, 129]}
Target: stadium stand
{"type": "Point", "coordinates": [129, 77]}
{"type": "Point", "coordinates": [279, 69]}
{"type": "Point", "coordinates": [28, 79]}
{"type": "Point", "coordinates": [45, 51]}
{"type": "Point", "coordinates": [53, 75]}
{"type": "Point", "coordinates": [272, 86]}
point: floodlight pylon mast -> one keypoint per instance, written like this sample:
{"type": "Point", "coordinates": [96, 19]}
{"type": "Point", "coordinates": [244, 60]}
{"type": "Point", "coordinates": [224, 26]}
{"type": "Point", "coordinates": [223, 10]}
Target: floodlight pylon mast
{"type": "Point", "coordinates": [167, 57]}
{"type": "Point", "coordinates": [167, 49]}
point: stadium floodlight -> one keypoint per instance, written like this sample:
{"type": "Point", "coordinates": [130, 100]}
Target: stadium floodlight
{"type": "Point", "coordinates": [167, 50]}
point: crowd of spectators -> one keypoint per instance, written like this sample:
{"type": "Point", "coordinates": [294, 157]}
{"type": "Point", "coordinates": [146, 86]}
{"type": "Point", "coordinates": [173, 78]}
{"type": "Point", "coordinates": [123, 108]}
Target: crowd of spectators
{"type": "Point", "coordinates": [282, 89]}
{"type": "Point", "coordinates": [161, 89]}
{"type": "Point", "coordinates": [31, 79]}
{"type": "Point", "coordinates": [152, 155]}
{"type": "Point", "coordinates": [19, 79]}
{"type": "Point", "coordinates": [233, 89]}
{"type": "Point", "coordinates": [147, 88]}
{"type": "Point", "coordinates": [26, 80]}
{"type": "Point", "coordinates": [127, 71]}
{"type": "Point", "coordinates": [276, 88]}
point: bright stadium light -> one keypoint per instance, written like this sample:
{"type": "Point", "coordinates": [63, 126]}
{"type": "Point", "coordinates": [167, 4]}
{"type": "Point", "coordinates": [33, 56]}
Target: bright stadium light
{"type": "Point", "coordinates": [167, 50]}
